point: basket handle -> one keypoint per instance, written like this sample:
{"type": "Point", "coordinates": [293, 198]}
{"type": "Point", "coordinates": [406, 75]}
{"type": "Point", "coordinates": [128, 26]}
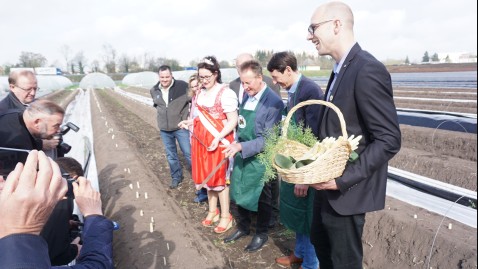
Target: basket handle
{"type": "Point", "coordinates": [314, 102]}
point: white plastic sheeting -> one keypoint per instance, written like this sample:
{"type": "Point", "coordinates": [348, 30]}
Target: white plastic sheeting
{"type": "Point", "coordinates": [96, 80]}
{"type": "Point", "coordinates": [146, 79]}
{"type": "Point", "coordinates": [51, 83]}
{"type": "Point", "coordinates": [46, 83]}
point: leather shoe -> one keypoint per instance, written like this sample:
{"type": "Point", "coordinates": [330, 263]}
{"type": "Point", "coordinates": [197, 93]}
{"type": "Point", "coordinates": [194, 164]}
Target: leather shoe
{"type": "Point", "coordinates": [257, 242]}
{"type": "Point", "coordinates": [288, 260]}
{"type": "Point", "coordinates": [234, 236]}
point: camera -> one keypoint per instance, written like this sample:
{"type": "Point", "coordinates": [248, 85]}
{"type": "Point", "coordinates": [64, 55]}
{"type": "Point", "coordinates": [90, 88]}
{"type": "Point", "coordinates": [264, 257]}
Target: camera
{"type": "Point", "coordinates": [63, 148]}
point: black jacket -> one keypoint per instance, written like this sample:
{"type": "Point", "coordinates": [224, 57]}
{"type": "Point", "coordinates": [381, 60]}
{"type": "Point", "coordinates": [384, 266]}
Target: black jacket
{"type": "Point", "coordinates": [177, 109]}
{"type": "Point", "coordinates": [363, 93]}
{"type": "Point", "coordinates": [14, 133]}
{"type": "Point", "coordinates": [11, 102]}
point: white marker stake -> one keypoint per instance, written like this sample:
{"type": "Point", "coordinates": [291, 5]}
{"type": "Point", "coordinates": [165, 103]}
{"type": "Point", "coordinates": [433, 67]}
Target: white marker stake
{"type": "Point", "coordinates": [137, 184]}
{"type": "Point", "coordinates": [137, 195]}
{"type": "Point", "coordinates": [152, 220]}
{"type": "Point", "coordinates": [131, 186]}
{"type": "Point", "coordinates": [145, 195]}
{"type": "Point", "coordinates": [141, 213]}
{"type": "Point", "coordinates": [151, 227]}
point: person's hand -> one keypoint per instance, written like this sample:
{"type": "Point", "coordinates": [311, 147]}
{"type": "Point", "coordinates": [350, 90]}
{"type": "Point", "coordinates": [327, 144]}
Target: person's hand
{"type": "Point", "coordinates": [213, 145]}
{"type": "Point", "coordinates": [329, 185]}
{"type": "Point", "coordinates": [300, 190]}
{"type": "Point", "coordinates": [231, 149]}
{"type": "Point", "coordinates": [49, 144]}
{"type": "Point", "coordinates": [185, 124]}
{"type": "Point", "coordinates": [76, 242]}
{"type": "Point", "coordinates": [29, 196]}
{"type": "Point", "coordinates": [87, 199]}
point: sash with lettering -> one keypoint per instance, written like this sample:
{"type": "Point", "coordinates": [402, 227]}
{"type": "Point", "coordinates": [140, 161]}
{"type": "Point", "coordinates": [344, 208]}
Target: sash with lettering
{"type": "Point", "coordinates": [203, 162]}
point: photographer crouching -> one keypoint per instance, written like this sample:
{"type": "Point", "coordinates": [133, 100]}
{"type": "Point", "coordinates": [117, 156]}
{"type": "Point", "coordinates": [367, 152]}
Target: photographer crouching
{"type": "Point", "coordinates": [24, 209]}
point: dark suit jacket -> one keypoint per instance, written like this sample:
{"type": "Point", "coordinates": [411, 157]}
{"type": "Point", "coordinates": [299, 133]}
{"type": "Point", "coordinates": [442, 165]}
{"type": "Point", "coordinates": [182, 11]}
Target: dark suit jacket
{"type": "Point", "coordinates": [307, 89]}
{"type": "Point", "coordinates": [268, 113]}
{"type": "Point", "coordinates": [363, 93]}
{"type": "Point", "coordinates": [236, 84]}
{"type": "Point", "coordinates": [11, 102]}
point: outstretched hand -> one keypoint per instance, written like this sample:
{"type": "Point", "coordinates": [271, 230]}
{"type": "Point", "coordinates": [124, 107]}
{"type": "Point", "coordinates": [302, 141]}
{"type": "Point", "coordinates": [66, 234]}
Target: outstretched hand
{"type": "Point", "coordinates": [29, 195]}
{"type": "Point", "coordinates": [87, 199]}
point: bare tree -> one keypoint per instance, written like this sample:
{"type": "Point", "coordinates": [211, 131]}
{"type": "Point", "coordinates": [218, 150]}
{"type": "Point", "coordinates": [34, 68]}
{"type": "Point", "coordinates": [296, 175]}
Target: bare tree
{"type": "Point", "coordinates": [95, 66]}
{"type": "Point", "coordinates": [109, 57]}
{"type": "Point", "coordinates": [80, 61]}
{"type": "Point", "coordinates": [66, 52]}
{"type": "Point", "coordinates": [124, 63]}
{"type": "Point", "coordinates": [31, 59]}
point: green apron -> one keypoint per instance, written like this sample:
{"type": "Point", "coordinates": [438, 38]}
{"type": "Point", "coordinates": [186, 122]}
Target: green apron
{"type": "Point", "coordinates": [246, 179]}
{"type": "Point", "coordinates": [295, 212]}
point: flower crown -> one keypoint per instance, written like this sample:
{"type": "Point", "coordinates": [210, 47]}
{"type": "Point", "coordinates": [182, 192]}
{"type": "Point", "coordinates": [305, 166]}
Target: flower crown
{"type": "Point", "coordinates": [207, 61]}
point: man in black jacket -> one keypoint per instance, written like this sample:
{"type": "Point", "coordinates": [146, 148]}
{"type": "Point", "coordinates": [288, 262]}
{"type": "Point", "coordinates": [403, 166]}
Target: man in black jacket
{"type": "Point", "coordinates": [24, 130]}
{"type": "Point", "coordinates": [23, 89]}
{"type": "Point", "coordinates": [172, 104]}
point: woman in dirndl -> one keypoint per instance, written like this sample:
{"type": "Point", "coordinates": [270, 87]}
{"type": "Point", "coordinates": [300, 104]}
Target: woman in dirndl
{"type": "Point", "coordinates": [214, 126]}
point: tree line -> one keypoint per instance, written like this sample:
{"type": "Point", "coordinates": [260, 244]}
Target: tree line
{"type": "Point", "coordinates": [111, 62]}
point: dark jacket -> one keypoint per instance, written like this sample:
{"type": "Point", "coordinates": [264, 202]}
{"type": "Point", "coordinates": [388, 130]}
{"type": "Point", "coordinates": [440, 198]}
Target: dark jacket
{"type": "Point", "coordinates": [11, 102]}
{"type": "Point", "coordinates": [14, 133]}
{"type": "Point", "coordinates": [31, 251]}
{"type": "Point", "coordinates": [306, 90]}
{"type": "Point", "coordinates": [363, 93]}
{"type": "Point", "coordinates": [177, 109]}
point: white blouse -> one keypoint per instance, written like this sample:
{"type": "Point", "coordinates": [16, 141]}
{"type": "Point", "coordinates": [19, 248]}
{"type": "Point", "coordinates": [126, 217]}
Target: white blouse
{"type": "Point", "coordinates": [228, 98]}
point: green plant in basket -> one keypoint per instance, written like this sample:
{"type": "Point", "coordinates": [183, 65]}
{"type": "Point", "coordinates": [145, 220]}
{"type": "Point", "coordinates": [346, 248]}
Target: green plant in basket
{"type": "Point", "coordinates": [274, 145]}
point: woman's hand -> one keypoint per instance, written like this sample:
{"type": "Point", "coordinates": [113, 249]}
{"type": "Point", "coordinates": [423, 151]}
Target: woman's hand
{"type": "Point", "coordinates": [213, 145]}
{"type": "Point", "coordinates": [185, 124]}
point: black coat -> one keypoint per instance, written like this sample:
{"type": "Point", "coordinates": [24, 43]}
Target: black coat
{"type": "Point", "coordinates": [363, 93]}
{"type": "Point", "coordinates": [14, 133]}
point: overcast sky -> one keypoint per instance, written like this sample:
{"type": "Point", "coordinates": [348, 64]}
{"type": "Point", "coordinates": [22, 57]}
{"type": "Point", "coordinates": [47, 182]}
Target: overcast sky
{"type": "Point", "coordinates": [191, 29]}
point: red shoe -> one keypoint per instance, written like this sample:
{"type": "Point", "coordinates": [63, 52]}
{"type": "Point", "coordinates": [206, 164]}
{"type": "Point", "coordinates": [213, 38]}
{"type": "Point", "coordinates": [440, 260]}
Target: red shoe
{"type": "Point", "coordinates": [209, 222]}
{"type": "Point", "coordinates": [220, 230]}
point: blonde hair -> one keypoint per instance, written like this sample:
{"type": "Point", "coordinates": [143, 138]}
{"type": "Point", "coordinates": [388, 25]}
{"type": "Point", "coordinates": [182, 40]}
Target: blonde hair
{"type": "Point", "coordinates": [193, 77]}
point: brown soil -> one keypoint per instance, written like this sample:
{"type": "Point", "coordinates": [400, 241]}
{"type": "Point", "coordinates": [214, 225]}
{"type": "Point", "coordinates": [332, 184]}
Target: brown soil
{"type": "Point", "coordinates": [392, 237]}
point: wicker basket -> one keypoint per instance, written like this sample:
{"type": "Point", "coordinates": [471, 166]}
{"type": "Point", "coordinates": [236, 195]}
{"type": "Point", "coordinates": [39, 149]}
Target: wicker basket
{"type": "Point", "coordinates": [327, 166]}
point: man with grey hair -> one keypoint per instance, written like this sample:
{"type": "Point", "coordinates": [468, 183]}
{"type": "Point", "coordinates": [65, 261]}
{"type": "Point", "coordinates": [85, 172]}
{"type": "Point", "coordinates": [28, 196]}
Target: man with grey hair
{"type": "Point", "coordinates": [237, 87]}
{"type": "Point", "coordinates": [24, 130]}
{"type": "Point", "coordinates": [23, 86]}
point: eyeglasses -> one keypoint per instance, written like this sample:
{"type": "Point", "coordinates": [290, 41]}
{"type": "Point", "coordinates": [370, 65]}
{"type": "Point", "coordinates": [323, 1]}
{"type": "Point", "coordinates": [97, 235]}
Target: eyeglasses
{"type": "Point", "coordinates": [313, 27]}
{"type": "Point", "coordinates": [28, 90]}
{"type": "Point", "coordinates": [205, 77]}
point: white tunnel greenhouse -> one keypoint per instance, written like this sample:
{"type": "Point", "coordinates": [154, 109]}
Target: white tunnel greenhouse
{"type": "Point", "coordinates": [146, 79]}
{"type": "Point", "coordinates": [96, 80]}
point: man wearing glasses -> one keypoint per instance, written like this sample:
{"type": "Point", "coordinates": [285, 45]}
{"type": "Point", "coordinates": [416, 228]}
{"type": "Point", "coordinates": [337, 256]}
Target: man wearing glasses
{"type": "Point", "coordinates": [23, 88]}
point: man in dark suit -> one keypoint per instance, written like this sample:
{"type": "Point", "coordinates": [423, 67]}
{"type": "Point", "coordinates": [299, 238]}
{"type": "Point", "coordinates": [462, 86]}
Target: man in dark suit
{"type": "Point", "coordinates": [361, 88]}
{"type": "Point", "coordinates": [283, 69]}
{"type": "Point", "coordinates": [296, 200]}
{"type": "Point", "coordinates": [237, 87]}
{"type": "Point", "coordinates": [259, 112]}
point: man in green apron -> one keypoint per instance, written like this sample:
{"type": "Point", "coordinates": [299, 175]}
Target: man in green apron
{"type": "Point", "coordinates": [296, 200]}
{"type": "Point", "coordinates": [259, 112]}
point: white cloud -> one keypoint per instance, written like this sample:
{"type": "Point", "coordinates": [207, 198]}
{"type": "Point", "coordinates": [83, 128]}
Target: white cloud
{"type": "Point", "coordinates": [190, 29]}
